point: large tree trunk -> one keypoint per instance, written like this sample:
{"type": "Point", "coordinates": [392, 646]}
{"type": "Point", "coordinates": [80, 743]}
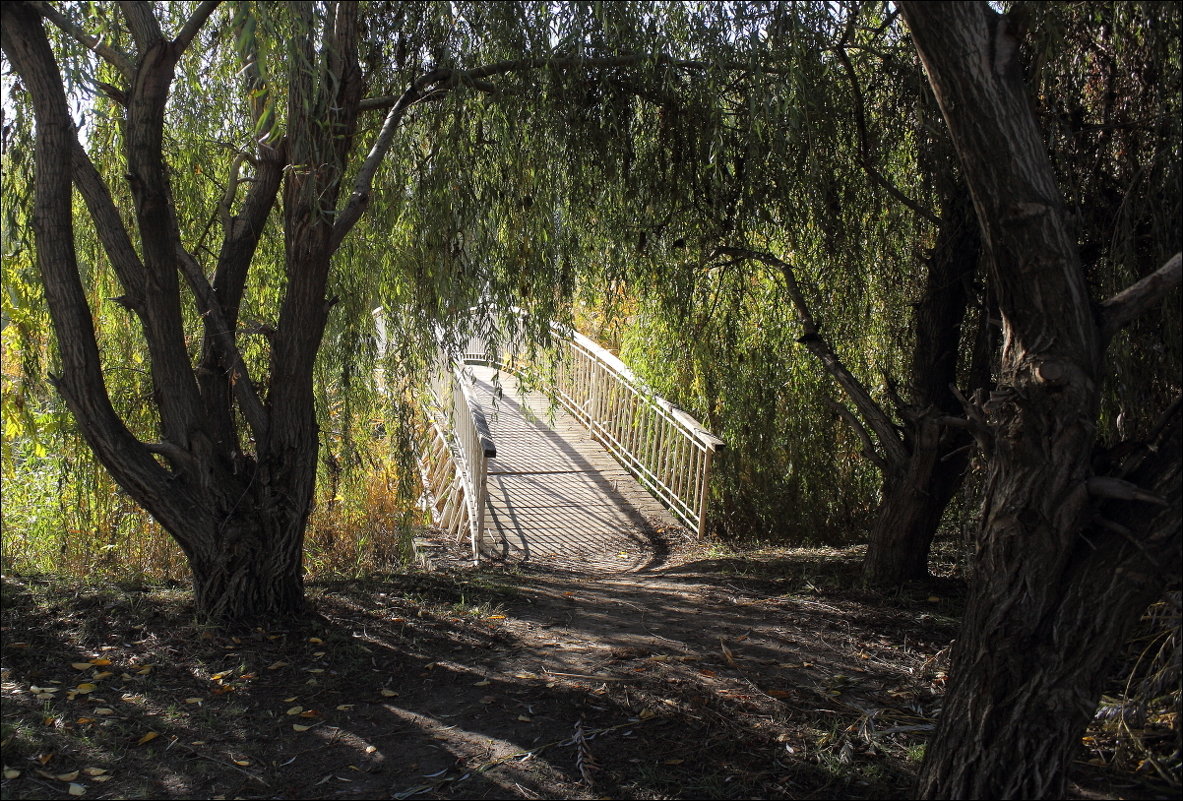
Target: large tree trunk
{"type": "Point", "coordinates": [1061, 575]}
{"type": "Point", "coordinates": [917, 489]}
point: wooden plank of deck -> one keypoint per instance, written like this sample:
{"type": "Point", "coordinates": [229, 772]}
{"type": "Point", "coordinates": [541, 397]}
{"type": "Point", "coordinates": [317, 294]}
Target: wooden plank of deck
{"type": "Point", "coordinates": [555, 496]}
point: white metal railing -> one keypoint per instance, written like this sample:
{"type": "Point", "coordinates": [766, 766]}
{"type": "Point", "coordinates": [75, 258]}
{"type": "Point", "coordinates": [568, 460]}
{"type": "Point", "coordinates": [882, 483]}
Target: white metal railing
{"type": "Point", "coordinates": [667, 450]}
{"type": "Point", "coordinates": [456, 470]}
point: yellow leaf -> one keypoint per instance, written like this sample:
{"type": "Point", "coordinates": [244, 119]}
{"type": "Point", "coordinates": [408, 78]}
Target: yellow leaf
{"type": "Point", "coordinates": [103, 675]}
{"type": "Point", "coordinates": [318, 654]}
{"type": "Point", "coordinates": [193, 700]}
{"type": "Point", "coordinates": [673, 762]}
{"type": "Point", "coordinates": [94, 771]}
{"type": "Point", "coordinates": [299, 727]}
{"type": "Point", "coordinates": [66, 777]}
{"type": "Point", "coordinates": [220, 676]}
{"type": "Point", "coordinates": [524, 719]}
{"type": "Point", "coordinates": [147, 738]}
{"type": "Point", "coordinates": [44, 758]}
{"type": "Point", "coordinates": [86, 687]}
{"type": "Point", "coordinates": [310, 713]}
{"type": "Point", "coordinates": [77, 789]}
{"type": "Point", "coordinates": [100, 662]}
{"type": "Point", "coordinates": [646, 714]}
{"type": "Point", "coordinates": [11, 773]}
{"type": "Point", "coordinates": [104, 710]}
{"type": "Point", "coordinates": [344, 707]}
{"type": "Point", "coordinates": [389, 693]}
{"type": "Point", "coordinates": [295, 710]}
{"type": "Point", "coordinates": [144, 671]}
{"type": "Point", "coordinates": [484, 683]}
{"type": "Point", "coordinates": [289, 700]}
{"type": "Point", "coordinates": [496, 617]}
{"type": "Point", "coordinates": [242, 762]}
{"type": "Point", "coordinates": [103, 778]}
{"type": "Point", "coordinates": [316, 640]}
{"type": "Point", "coordinates": [81, 665]}
{"type": "Point", "coordinates": [84, 721]}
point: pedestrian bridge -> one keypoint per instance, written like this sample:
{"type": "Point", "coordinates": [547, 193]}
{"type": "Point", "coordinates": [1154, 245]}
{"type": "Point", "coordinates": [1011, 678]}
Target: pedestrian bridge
{"type": "Point", "coordinates": [563, 460]}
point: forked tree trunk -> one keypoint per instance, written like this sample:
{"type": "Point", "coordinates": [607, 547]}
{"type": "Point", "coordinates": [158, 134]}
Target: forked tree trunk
{"type": "Point", "coordinates": [919, 484]}
{"type": "Point", "coordinates": [914, 502]}
{"type": "Point", "coordinates": [239, 517]}
{"type": "Point", "coordinates": [1065, 566]}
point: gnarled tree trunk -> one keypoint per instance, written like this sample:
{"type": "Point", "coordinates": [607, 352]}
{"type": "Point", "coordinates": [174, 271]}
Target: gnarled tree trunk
{"type": "Point", "coordinates": [1067, 559]}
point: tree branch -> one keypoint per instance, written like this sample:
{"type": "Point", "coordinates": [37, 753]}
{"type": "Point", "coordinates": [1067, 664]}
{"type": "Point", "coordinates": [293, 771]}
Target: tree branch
{"type": "Point", "coordinates": [216, 324]}
{"type": "Point", "coordinates": [359, 198]}
{"type": "Point", "coordinates": [142, 23]}
{"type": "Point", "coordinates": [446, 79]}
{"type": "Point", "coordinates": [868, 445]}
{"type": "Point", "coordinates": [875, 417]}
{"type": "Point", "coordinates": [860, 121]}
{"type": "Point", "coordinates": [117, 58]}
{"type": "Point", "coordinates": [193, 25]}
{"type": "Point", "coordinates": [109, 225]}
{"type": "Point", "coordinates": [1133, 301]}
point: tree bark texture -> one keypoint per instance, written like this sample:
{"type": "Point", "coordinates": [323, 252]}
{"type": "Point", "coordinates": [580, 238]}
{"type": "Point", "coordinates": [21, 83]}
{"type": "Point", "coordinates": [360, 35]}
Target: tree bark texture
{"type": "Point", "coordinates": [1061, 574]}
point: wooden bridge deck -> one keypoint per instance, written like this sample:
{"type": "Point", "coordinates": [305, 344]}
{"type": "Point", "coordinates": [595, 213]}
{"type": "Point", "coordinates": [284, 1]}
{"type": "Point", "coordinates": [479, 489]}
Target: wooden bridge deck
{"type": "Point", "coordinates": [556, 498]}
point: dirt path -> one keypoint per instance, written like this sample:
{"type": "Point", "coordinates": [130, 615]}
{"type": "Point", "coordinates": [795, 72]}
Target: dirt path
{"type": "Point", "coordinates": [746, 676]}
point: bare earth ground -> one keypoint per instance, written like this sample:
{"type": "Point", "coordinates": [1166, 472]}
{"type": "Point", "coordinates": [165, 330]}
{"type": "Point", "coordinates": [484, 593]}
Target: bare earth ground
{"type": "Point", "coordinates": [755, 675]}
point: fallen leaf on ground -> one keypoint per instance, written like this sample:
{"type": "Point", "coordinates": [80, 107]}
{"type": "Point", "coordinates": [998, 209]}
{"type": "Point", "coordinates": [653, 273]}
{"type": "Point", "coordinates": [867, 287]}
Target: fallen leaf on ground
{"type": "Point", "coordinates": [66, 777]}
{"type": "Point", "coordinates": [94, 771]}
{"type": "Point", "coordinates": [147, 738]}
{"type": "Point", "coordinates": [77, 789]}
{"type": "Point", "coordinates": [389, 693]}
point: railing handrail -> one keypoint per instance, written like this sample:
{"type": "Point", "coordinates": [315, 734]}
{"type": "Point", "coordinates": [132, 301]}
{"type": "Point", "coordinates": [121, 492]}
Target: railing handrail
{"type": "Point", "coordinates": [474, 446]}
{"type": "Point", "coordinates": [628, 377]}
